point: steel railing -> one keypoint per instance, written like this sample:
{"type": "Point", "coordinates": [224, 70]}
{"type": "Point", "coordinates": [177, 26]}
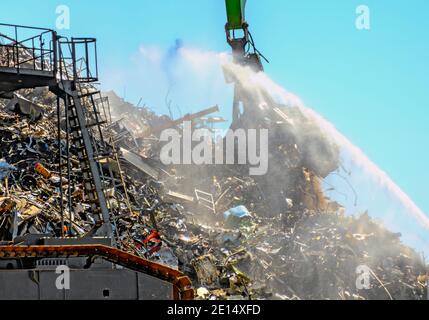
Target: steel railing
{"type": "Point", "coordinates": [78, 59]}
{"type": "Point", "coordinates": [23, 47]}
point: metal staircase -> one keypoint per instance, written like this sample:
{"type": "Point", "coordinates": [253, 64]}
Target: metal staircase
{"type": "Point", "coordinates": [86, 118]}
{"type": "Point", "coordinates": [101, 271]}
{"type": "Point", "coordinates": [69, 68]}
{"type": "Point", "coordinates": [79, 128]}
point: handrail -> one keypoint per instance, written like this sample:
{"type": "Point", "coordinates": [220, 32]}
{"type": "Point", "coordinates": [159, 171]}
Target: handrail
{"type": "Point", "coordinates": [40, 49]}
{"type": "Point", "coordinates": [24, 27]}
{"type": "Point", "coordinates": [88, 72]}
{"type": "Point", "coordinates": [48, 55]}
{"type": "Point", "coordinates": [34, 37]}
{"type": "Point", "coordinates": [6, 36]}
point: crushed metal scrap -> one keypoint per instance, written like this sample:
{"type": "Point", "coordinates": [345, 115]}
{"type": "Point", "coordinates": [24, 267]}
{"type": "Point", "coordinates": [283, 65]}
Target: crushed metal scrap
{"type": "Point", "coordinates": [235, 236]}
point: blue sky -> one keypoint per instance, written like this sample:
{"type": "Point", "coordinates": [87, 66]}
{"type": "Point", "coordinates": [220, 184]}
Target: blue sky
{"type": "Point", "coordinates": [371, 84]}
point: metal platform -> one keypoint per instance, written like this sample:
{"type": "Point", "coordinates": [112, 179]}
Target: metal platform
{"type": "Point", "coordinates": [28, 58]}
{"type": "Point", "coordinates": [11, 81]}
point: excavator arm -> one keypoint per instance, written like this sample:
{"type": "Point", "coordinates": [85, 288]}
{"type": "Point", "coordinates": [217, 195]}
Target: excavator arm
{"type": "Point", "coordinates": [235, 11]}
{"type": "Point", "coordinates": [239, 37]}
{"type": "Point", "coordinates": [243, 50]}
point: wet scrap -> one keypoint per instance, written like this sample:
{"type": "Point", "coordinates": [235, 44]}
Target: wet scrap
{"type": "Point", "coordinates": [236, 236]}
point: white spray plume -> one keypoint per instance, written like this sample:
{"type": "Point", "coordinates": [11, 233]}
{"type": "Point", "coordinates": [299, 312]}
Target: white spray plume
{"type": "Point", "coordinates": [198, 80]}
{"type": "Point", "coordinates": [253, 80]}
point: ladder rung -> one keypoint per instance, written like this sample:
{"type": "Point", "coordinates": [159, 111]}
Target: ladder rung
{"type": "Point", "coordinates": [75, 128]}
{"type": "Point", "coordinates": [100, 123]}
{"type": "Point", "coordinates": [88, 94]}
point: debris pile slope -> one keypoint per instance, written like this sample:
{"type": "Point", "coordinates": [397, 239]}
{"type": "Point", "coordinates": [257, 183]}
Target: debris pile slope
{"type": "Point", "coordinates": [235, 237]}
{"type": "Point", "coordinates": [295, 242]}
{"type": "Point", "coordinates": [304, 254]}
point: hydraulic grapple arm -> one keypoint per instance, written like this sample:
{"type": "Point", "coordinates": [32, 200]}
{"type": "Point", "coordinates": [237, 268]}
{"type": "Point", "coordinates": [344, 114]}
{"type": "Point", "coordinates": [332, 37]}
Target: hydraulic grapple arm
{"type": "Point", "coordinates": [238, 35]}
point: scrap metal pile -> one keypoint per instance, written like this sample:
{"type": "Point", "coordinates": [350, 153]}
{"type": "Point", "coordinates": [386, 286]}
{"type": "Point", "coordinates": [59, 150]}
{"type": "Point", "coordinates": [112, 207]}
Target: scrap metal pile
{"type": "Point", "coordinates": [222, 228]}
{"type": "Point", "coordinates": [28, 199]}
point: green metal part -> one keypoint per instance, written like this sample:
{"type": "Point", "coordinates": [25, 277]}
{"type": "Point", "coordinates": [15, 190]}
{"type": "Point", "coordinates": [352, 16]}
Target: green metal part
{"type": "Point", "coordinates": [235, 10]}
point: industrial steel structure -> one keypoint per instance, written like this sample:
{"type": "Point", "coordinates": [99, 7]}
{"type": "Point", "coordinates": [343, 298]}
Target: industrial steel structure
{"type": "Point", "coordinates": [34, 57]}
